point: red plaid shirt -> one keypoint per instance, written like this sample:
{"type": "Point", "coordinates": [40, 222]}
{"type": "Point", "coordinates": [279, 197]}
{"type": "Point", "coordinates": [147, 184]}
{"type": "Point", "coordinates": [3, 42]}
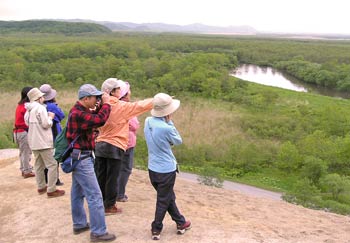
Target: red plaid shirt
{"type": "Point", "coordinates": [81, 121]}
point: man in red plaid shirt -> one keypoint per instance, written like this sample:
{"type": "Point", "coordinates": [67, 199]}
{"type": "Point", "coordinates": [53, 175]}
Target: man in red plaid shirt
{"type": "Point", "coordinates": [85, 116]}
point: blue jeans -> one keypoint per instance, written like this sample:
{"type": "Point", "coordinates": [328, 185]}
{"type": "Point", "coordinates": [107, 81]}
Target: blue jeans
{"type": "Point", "coordinates": [84, 184]}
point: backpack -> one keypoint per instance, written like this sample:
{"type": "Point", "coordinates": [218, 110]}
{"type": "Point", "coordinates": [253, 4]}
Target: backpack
{"type": "Point", "coordinates": [62, 147]}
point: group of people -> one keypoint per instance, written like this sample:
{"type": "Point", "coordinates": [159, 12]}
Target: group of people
{"type": "Point", "coordinates": [38, 110]}
{"type": "Point", "coordinates": [105, 124]}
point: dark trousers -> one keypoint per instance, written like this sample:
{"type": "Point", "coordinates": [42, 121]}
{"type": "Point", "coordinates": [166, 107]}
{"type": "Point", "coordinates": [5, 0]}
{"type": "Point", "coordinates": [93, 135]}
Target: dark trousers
{"type": "Point", "coordinates": [164, 185]}
{"type": "Point", "coordinates": [107, 171]}
{"type": "Point", "coordinates": [125, 171]}
{"type": "Point", "coordinates": [46, 171]}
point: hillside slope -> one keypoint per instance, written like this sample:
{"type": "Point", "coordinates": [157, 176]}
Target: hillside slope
{"type": "Point", "coordinates": [45, 26]}
{"type": "Point", "coordinates": [217, 215]}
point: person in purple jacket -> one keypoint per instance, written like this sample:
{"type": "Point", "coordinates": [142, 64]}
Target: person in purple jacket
{"type": "Point", "coordinates": [52, 106]}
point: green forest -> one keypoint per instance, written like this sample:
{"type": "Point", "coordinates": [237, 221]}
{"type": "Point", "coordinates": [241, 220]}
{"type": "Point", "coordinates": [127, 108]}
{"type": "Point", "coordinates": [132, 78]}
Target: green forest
{"type": "Point", "coordinates": [49, 26]}
{"type": "Point", "coordinates": [296, 143]}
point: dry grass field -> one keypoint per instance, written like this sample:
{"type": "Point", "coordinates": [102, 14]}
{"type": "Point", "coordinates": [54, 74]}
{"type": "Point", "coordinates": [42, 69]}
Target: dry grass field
{"type": "Point", "coordinates": [199, 121]}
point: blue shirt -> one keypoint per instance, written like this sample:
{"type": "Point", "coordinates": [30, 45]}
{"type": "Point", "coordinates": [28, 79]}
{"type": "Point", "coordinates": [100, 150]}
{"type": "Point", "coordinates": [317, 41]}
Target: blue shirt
{"type": "Point", "coordinates": [160, 136]}
{"type": "Point", "coordinates": [59, 116]}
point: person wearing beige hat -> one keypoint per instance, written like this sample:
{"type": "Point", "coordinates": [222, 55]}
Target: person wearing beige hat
{"type": "Point", "coordinates": [112, 141]}
{"type": "Point", "coordinates": [160, 134]}
{"type": "Point", "coordinates": [40, 141]}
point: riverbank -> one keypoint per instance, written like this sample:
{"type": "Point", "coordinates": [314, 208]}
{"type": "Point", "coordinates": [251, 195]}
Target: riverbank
{"type": "Point", "coordinates": [217, 215]}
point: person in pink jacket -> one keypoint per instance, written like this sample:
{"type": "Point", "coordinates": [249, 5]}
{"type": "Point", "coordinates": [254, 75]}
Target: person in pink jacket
{"type": "Point", "coordinates": [128, 160]}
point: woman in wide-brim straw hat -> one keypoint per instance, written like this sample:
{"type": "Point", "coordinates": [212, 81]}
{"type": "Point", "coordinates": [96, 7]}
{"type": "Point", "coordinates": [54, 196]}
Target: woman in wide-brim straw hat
{"type": "Point", "coordinates": [161, 134]}
{"type": "Point", "coordinates": [52, 106]}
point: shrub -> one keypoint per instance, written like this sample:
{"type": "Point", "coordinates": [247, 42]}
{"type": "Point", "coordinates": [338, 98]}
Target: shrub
{"type": "Point", "coordinates": [335, 184]}
{"type": "Point", "coordinates": [211, 176]}
{"type": "Point", "coordinates": [336, 207]}
{"type": "Point", "coordinates": [288, 158]}
{"type": "Point", "coordinates": [6, 135]}
{"type": "Point", "coordinates": [313, 169]}
{"type": "Point", "coordinates": [303, 193]}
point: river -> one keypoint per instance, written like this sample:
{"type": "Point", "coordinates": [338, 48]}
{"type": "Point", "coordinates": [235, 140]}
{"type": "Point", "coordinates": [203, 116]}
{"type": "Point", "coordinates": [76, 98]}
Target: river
{"type": "Point", "coordinates": [272, 77]}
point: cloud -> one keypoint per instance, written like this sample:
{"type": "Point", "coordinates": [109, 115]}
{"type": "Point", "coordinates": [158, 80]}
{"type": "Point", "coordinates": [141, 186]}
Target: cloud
{"type": "Point", "coordinates": [5, 10]}
{"type": "Point", "coordinates": [322, 16]}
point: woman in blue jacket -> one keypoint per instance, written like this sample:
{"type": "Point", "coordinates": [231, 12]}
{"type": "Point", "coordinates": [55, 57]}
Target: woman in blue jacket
{"type": "Point", "coordinates": [161, 134]}
{"type": "Point", "coordinates": [52, 106]}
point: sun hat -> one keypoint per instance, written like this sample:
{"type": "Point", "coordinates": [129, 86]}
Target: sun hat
{"type": "Point", "coordinates": [34, 94]}
{"type": "Point", "coordinates": [49, 92]}
{"type": "Point", "coordinates": [124, 88]}
{"type": "Point", "coordinates": [88, 90]}
{"type": "Point", "coordinates": [109, 84]}
{"type": "Point", "coordinates": [163, 105]}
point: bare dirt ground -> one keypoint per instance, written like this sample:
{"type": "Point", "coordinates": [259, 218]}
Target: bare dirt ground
{"type": "Point", "coordinates": [217, 215]}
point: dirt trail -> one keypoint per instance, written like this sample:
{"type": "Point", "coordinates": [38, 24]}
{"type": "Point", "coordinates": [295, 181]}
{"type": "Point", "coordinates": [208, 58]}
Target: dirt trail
{"type": "Point", "coordinates": [217, 215]}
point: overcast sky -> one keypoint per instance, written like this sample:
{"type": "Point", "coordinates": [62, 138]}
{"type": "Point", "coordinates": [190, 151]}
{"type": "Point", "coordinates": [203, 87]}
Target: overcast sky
{"type": "Point", "coordinates": [315, 16]}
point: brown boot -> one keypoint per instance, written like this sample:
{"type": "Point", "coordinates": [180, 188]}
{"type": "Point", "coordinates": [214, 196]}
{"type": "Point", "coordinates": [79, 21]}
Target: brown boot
{"type": "Point", "coordinates": [112, 210]}
{"type": "Point", "coordinates": [100, 238]}
{"type": "Point", "coordinates": [27, 175]}
{"type": "Point", "coordinates": [56, 193]}
{"type": "Point", "coordinates": [42, 190]}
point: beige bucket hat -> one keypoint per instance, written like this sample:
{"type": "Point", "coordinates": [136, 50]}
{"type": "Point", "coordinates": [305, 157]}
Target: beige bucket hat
{"type": "Point", "coordinates": [34, 94]}
{"type": "Point", "coordinates": [164, 104]}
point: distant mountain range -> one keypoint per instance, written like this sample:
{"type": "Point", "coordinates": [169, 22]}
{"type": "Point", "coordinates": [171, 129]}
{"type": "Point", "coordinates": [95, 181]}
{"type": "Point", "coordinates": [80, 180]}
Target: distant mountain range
{"type": "Point", "coordinates": [49, 26]}
{"type": "Point", "coordinates": [86, 25]}
{"type": "Point", "coordinates": [161, 27]}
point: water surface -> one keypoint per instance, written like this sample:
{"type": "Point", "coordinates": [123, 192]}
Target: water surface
{"type": "Point", "coordinates": [272, 77]}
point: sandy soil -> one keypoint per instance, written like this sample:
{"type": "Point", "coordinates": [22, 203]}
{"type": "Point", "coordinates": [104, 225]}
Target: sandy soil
{"type": "Point", "coordinates": [217, 215]}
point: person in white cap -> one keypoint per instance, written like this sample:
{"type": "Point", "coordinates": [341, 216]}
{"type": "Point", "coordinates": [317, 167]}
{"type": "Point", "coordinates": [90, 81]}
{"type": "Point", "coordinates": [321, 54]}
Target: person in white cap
{"type": "Point", "coordinates": [161, 134]}
{"type": "Point", "coordinates": [112, 141]}
{"type": "Point", "coordinates": [40, 141]}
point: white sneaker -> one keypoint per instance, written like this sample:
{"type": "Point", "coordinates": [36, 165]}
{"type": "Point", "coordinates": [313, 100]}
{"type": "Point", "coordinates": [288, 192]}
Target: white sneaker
{"type": "Point", "coordinates": [181, 229]}
{"type": "Point", "coordinates": [155, 235]}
